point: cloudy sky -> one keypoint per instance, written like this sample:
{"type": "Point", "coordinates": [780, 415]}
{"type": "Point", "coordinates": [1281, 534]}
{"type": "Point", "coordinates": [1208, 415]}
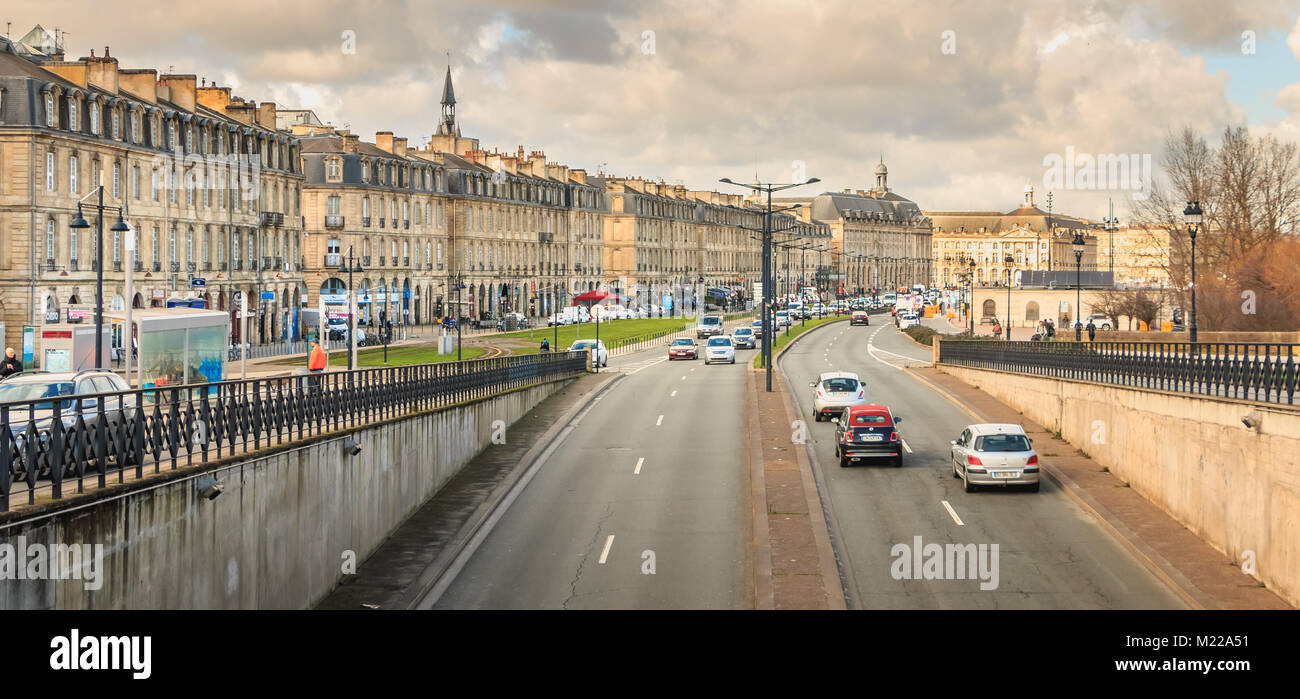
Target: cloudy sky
{"type": "Point", "coordinates": [966, 100]}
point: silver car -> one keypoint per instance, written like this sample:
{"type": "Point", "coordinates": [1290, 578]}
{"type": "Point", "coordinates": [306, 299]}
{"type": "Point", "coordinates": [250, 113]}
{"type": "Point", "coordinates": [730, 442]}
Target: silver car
{"type": "Point", "coordinates": [744, 337]}
{"type": "Point", "coordinates": [720, 349]}
{"type": "Point", "coordinates": [995, 454]}
{"type": "Point", "coordinates": [36, 396]}
{"type": "Point", "coordinates": [834, 391]}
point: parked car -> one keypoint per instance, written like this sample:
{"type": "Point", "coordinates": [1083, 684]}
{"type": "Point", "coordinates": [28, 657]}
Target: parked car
{"type": "Point", "coordinates": [868, 432]}
{"type": "Point", "coordinates": [860, 318]}
{"type": "Point", "coordinates": [720, 349]}
{"type": "Point", "coordinates": [64, 386]}
{"type": "Point", "coordinates": [744, 337]}
{"type": "Point", "coordinates": [1101, 320]}
{"type": "Point", "coordinates": [835, 390]}
{"type": "Point", "coordinates": [599, 356]}
{"type": "Point", "coordinates": [683, 348]}
{"type": "Point", "coordinates": [994, 454]}
{"type": "Point", "coordinates": [907, 320]}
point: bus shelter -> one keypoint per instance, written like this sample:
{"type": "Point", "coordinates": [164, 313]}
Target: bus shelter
{"type": "Point", "coordinates": [178, 346]}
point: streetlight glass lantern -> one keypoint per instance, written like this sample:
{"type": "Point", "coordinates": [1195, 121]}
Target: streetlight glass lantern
{"type": "Point", "coordinates": [80, 221]}
{"type": "Point", "coordinates": [1192, 215]}
{"type": "Point", "coordinates": [1078, 244]}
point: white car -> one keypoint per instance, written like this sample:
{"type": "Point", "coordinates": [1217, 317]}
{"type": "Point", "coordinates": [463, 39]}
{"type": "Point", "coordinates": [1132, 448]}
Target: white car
{"type": "Point", "coordinates": [719, 349]}
{"type": "Point", "coordinates": [834, 391]}
{"type": "Point", "coordinates": [994, 454]}
{"type": "Point", "coordinates": [907, 320]}
{"type": "Point", "coordinates": [782, 320]}
{"type": "Point", "coordinates": [599, 356]}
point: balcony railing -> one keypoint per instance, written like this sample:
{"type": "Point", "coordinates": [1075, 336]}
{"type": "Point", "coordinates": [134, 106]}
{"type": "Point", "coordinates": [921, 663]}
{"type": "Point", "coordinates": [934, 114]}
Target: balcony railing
{"type": "Point", "coordinates": [72, 265]}
{"type": "Point", "coordinates": [381, 221]}
{"type": "Point", "coordinates": [190, 266]}
{"type": "Point", "coordinates": [333, 221]}
{"type": "Point", "coordinates": [406, 224]}
{"type": "Point", "coordinates": [157, 266]}
{"type": "Point", "coordinates": [117, 265]}
{"type": "Point", "coordinates": [406, 262]}
{"type": "Point", "coordinates": [272, 218]}
{"type": "Point", "coordinates": [365, 260]}
{"type": "Point", "coordinates": [365, 221]}
{"type": "Point", "coordinates": [394, 224]}
{"type": "Point", "coordinates": [139, 266]}
{"type": "Point", "coordinates": [381, 260]}
{"type": "Point", "coordinates": [207, 266]}
{"type": "Point", "coordinates": [268, 262]}
{"type": "Point", "coordinates": [333, 259]}
{"type": "Point", "coordinates": [176, 266]}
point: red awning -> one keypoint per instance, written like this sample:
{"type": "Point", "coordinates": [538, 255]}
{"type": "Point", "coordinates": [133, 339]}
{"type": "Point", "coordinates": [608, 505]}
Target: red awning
{"type": "Point", "coordinates": [591, 296]}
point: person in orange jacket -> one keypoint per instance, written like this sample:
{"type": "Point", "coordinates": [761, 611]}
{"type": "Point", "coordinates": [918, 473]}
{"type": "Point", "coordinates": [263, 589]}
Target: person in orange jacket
{"type": "Point", "coordinates": [317, 360]}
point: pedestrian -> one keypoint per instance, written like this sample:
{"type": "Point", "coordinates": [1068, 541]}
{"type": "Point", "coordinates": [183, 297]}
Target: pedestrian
{"type": "Point", "coordinates": [546, 346]}
{"type": "Point", "coordinates": [997, 328]}
{"type": "Point", "coordinates": [317, 360]}
{"type": "Point", "coordinates": [11, 364]}
{"type": "Point", "coordinates": [1092, 331]}
{"type": "Point", "coordinates": [1051, 330]}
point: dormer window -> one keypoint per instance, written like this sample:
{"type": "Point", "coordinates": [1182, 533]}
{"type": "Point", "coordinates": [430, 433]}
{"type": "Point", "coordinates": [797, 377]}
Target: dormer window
{"type": "Point", "coordinates": [171, 134]}
{"type": "Point", "coordinates": [73, 125]}
{"type": "Point", "coordinates": [94, 118]}
{"type": "Point", "coordinates": [51, 117]}
{"type": "Point", "coordinates": [333, 169]}
{"type": "Point", "coordinates": [365, 170]}
{"type": "Point", "coordinates": [117, 125]}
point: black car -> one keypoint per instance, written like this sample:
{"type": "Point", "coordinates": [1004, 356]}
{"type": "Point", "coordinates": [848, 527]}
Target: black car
{"type": "Point", "coordinates": [868, 432]}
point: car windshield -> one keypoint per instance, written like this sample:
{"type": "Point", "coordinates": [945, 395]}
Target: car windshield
{"type": "Point", "coordinates": [870, 419]}
{"type": "Point", "coordinates": [1002, 442]}
{"type": "Point", "coordinates": [684, 341]}
{"type": "Point", "coordinates": [743, 331]}
{"type": "Point", "coordinates": [709, 320]}
{"type": "Point", "coordinates": [583, 344]}
{"type": "Point", "coordinates": [32, 390]}
{"type": "Point", "coordinates": [719, 342]}
{"type": "Point", "coordinates": [840, 384]}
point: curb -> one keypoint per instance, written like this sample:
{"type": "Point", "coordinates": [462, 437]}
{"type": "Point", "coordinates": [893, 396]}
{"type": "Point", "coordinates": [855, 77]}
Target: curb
{"type": "Point", "coordinates": [760, 560]}
{"type": "Point", "coordinates": [1158, 565]}
{"type": "Point", "coordinates": [434, 572]}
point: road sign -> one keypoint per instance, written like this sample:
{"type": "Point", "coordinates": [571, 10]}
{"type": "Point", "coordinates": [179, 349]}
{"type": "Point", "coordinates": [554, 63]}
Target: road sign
{"type": "Point", "coordinates": [268, 295]}
{"type": "Point", "coordinates": [198, 283]}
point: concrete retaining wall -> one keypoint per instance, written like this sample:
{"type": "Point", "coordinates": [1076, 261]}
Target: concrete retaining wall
{"type": "Point", "coordinates": [1236, 488]}
{"type": "Point", "coordinates": [278, 536]}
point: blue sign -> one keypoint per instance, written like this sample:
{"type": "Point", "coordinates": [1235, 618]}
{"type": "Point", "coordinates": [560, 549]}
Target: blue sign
{"type": "Point", "coordinates": [198, 283]}
{"type": "Point", "coordinates": [268, 295]}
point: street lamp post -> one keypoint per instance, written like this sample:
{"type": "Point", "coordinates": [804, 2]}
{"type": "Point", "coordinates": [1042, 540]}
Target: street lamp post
{"type": "Point", "coordinates": [1193, 216]}
{"type": "Point", "coordinates": [1009, 260]}
{"type": "Point", "coordinates": [349, 268]}
{"type": "Point", "coordinates": [767, 264]}
{"type": "Point", "coordinates": [1078, 244]}
{"type": "Point", "coordinates": [120, 227]}
{"type": "Point", "coordinates": [970, 295]}
{"type": "Point", "coordinates": [460, 284]}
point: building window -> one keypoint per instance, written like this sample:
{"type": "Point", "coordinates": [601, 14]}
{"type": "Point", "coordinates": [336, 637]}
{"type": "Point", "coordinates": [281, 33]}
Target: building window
{"type": "Point", "coordinates": [49, 109]}
{"type": "Point", "coordinates": [72, 174]}
{"type": "Point", "coordinates": [73, 125]}
{"type": "Point", "coordinates": [49, 241]}
{"type": "Point", "coordinates": [189, 245]}
{"type": "Point", "coordinates": [154, 247]}
{"type": "Point", "coordinates": [333, 169]}
{"type": "Point", "coordinates": [94, 118]}
{"type": "Point", "coordinates": [171, 244]}
{"type": "Point", "coordinates": [135, 182]}
{"type": "Point", "coordinates": [117, 179]}
{"type": "Point", "coordinates": [117, 125]}
{"type": "Point", "coordinates": [334, 205]}
{"type": "Point", "coordinates": [49, 171]}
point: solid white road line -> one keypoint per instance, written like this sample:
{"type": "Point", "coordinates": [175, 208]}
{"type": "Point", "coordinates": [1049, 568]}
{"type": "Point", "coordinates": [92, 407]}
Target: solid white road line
{"type": "Point", "coordinates": [610, 542]}
{"type": "Point", "coordinates": [904, 441]}
{"type": "Point", "coordinates": [639, 461]}
{"type": "Point", "coordinates": [660, 421]}
{"type": "Point", "coordinates": [946, 506]}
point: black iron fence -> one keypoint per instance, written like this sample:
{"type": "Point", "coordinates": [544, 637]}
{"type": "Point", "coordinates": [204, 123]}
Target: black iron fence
{"type": "Point", "coordinates": [1258, 372]}
{"type": "Point", "coordinates": [55, 442]}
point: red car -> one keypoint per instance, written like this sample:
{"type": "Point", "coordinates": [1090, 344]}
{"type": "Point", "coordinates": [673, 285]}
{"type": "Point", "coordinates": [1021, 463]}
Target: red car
{"type": "Point", "coordinates": [868, 432]}
{"type": "Point", "coordinates": [683, 348]}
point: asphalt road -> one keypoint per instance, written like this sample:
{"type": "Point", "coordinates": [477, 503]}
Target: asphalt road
{"type": "Point", "coordinates": [1051, 554]}
{"type": "Point", "coordinates": [653, 475]}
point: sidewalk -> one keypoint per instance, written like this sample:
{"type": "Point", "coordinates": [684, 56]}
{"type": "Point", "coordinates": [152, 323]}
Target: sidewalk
{"type": "Point", "coordinates": [1194, 569]}
{"type": "Point", "coordinates": [403, 569]}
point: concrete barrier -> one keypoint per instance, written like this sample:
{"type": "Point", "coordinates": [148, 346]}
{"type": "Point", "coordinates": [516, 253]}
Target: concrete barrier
{"type": "Point", "coordinates": [1237, 488]}
{"type": "Point", "coordinates": [282, 533]}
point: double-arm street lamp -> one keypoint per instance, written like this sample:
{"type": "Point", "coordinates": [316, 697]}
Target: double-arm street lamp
{"type": "Point", "coordinates": [120, 227]}
{"type": "Point", "coordinates": [768, 291]}
{"type": "Point", "coordinates": [1193, 216]}
{"type": "Point", "coordinates": [1078, 244]}
{"type": "Point", "coordinates": [349, 268]}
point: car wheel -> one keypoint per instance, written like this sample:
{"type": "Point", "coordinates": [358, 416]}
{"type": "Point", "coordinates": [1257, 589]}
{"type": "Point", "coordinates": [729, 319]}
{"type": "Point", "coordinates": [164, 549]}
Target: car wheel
{"type": "Point", "coordinates": [954, 467]}
{"type": "Point", "coordinates": [844, 462]}
{"type": "Point", "coordinates": [898, 461]}
{"type": "Point", "coordinates": [1033, 488]}
{"type": "Point", "coordinates": [733, 360]}
{"type": "Point", "coordinates": [965, 479]}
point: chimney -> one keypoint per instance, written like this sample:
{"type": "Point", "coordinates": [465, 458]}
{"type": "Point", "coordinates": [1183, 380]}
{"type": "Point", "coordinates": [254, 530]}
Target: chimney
{"type": "Point", "coordinates": [266, 115]}
{"type": "Point", "coordinates": [351, 142]}
{"type": "Point", "coordinates": [399, 147]}
{"type": "Point", "coordinates": [241, 111]}
{"type": "Point", "coordinates": [181, 89]}
{"type": "Point", "coordinates": [141, 83]}
{"type": "Point", "coordinates": [384, 140]}
{"type": "Point", "coordinates": [72, 71]}
{"type": "Point", "coordinates": [578, 176]}
{"type": "Point", "coordinates": [213, 97]}
{"type": "Point", "coordinates": [102, 72]}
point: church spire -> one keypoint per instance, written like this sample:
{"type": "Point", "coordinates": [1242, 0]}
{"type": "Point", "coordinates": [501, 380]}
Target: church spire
{"type": "Point", "coordinates": [448, 126]}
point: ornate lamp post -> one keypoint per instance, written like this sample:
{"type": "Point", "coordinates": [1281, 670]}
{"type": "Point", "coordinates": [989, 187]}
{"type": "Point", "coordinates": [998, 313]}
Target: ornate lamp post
{"type": "Point", "coordinates": [349, 268]}
{"type": "Point", "coordinates": [120, 227]}
{"type": "Point", "coordinates": [1193, 215]}
{"type": "Point", "coordinates": [1009, 260]}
